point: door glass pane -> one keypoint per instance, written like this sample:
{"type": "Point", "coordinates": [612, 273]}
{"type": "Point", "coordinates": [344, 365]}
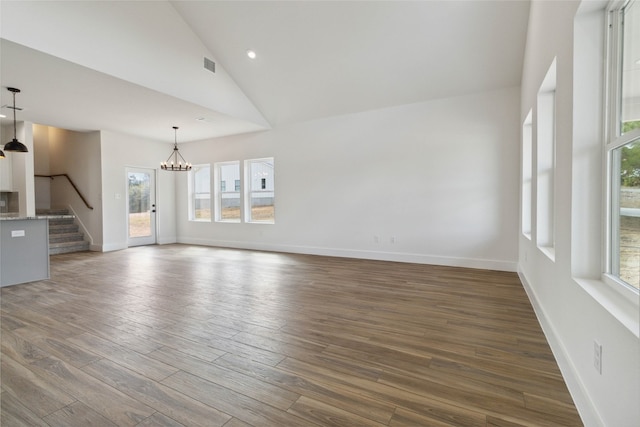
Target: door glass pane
{"type": "Point", "coordinates": [139, 204]}
{"type": "Point", "coordinates": [628, 212]}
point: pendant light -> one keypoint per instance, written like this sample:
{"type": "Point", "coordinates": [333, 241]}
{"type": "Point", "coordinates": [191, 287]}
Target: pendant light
{"type": "Point", "coordinates": [175, 162]}
{"type": "Point", "coordinates": [1, 154]}
{"type": "Point", "coordinates": [15, 145]}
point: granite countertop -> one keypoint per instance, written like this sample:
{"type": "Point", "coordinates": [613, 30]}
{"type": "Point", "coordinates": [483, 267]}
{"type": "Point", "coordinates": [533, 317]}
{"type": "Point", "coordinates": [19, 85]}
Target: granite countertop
{"type": "Point", "coordinates": [17, 217]}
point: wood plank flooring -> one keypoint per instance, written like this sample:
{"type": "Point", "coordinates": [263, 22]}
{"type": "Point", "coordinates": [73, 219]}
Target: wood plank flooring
{"type": "Point", "coordinates": [181, 335]}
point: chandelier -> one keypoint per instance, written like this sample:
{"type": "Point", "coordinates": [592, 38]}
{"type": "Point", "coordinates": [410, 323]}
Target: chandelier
{"type": "Point", "coordinates": [175, 162]}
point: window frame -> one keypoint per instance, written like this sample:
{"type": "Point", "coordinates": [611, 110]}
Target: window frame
{"type": "Point", "coordinates": [613, 141]}
{"type": "Point", "coordinates": [249, 190]}
{"type": "Point", "coordinates": [590, 175]}
{"type": "Point", "coordinates": [545, 124]}
{"type": "Point", "coordinates": [192, 192]}
{"type": "Point", "coordinates": [218, 191]}
{"type": "Point", "coordinates": [526, 226]}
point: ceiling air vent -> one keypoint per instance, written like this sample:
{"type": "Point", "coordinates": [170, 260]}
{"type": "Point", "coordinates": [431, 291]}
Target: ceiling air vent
{"type": "Point", "coordinates": [209, 65]}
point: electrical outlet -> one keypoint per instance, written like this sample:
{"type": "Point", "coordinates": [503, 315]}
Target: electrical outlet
{"type": "Point", "coordinates": [597, 356]}
{"type": "Point", "coordinates": [392, 239]}
{"type": "Point", "coordinates": [376, 239]}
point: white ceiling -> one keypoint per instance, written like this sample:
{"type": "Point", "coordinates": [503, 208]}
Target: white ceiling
{"type": "Point", "coordinates": [136, 67]}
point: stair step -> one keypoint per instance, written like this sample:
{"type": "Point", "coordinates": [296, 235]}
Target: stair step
{"type": "Point", "coordinates": [52, 211]}
{"type": "Point", "coordinates": [66, 247]}
{"type": "Point", "coordinates": [62, 221]}
{"type": "Point", "coordinates": [66, 237]}
{"type": "Point", "coordinates": [63, 228]}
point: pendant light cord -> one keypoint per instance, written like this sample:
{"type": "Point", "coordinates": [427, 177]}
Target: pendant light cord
{"type": "Point", "coordinates": [15, 132]}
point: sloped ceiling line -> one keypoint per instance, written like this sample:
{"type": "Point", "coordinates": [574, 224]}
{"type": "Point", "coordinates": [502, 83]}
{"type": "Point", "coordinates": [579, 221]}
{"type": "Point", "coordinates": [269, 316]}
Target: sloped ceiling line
{"type": "Point", "coordinates": [137, 67]}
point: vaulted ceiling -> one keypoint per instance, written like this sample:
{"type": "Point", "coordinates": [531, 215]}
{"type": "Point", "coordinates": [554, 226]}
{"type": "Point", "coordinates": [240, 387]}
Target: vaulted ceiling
{"type": "Point", "coordinates": [138, 67]}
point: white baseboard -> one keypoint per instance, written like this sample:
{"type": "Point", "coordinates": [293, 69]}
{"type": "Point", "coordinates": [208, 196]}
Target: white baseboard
{"type": "Point", "coordinates": [124, 245]}
{"type": "Point", "coordinates": [584, 405]}
{"type": "Point", "coordinates": [362, 254]}
{"type": "Point", "coordinates": [167, 240]}
{"type": "Point", "coordinates": [113, 247]}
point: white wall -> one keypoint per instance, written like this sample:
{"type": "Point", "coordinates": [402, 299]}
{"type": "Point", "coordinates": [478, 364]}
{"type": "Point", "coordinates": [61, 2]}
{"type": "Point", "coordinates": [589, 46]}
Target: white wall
{"type": "Point", "coordinates": [76, 154]}
{"type": "Point", "coordinates": [164, 47]}
{"type": "Point", "coordinates": [96, 162]}
{"type": "Point", "coordinates": [567, 293]}
{"type": "Point", "coordinates": [119, 152]}
{"type": "Point", "coordinates": [441, 177]}
{"type": "Point", "coordinates": [22, 169]}
{"type": "Point", "coordinates": [6, 172]}
{"type": "Point", "coordinates": [41, 166]}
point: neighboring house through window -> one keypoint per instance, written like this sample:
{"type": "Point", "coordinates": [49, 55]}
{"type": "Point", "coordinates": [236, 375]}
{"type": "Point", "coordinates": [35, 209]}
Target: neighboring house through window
{"type": "Point", "coordinates": [260, 190]}
{"type": "Point", "coordinates": [227, 176]}
{"type": "Point", "coordinates": [200, 193]}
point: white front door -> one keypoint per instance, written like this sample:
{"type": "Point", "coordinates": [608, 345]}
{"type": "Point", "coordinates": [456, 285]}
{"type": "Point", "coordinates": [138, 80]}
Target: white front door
{"type": "Point", "coordinates": [141, 206]}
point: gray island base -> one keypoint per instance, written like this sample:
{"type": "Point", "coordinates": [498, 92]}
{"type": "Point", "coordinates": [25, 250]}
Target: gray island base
{"type": "Point", "coordinates": [24, 250]}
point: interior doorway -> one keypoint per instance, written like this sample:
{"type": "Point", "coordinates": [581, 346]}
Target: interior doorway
{"type": "Point", "coordinates": [141, 206]}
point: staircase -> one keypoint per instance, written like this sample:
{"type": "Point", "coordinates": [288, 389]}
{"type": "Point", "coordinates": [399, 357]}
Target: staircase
{"type": "Point", "coordinates": [64, 236]}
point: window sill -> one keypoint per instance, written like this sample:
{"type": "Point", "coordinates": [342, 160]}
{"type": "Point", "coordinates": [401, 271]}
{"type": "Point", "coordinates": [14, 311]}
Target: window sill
{"type": "Point", "coordinates": [549, 251]}
{"type": "Point", "coordinates": [199, 220]}
{"type": "Point", "coordinates": [621, 302]}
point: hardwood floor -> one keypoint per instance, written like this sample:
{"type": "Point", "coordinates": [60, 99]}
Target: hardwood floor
{"type": "Point", "coordinates": [182, 335]}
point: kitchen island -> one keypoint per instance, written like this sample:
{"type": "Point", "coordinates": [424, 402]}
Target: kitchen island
{"type": "Point", "coordinates": [24, 249]}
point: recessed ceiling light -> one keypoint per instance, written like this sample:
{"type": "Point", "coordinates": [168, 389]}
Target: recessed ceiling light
{"type": "Point", "coordinates": [251, 54]}
{"type": "Point", "coordinates": [2, 116]}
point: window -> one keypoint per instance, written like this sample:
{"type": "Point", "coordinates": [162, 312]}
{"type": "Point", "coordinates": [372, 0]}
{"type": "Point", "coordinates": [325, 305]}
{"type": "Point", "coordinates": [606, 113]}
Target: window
{"type": "Point", "coordinates": [200, 193]}
{"type": "Point", "coordinates": [260, 192]}
{"type": "Point", "coordinates": [623, 144]}
{"type": "Point", "coordinates": [546, 160]}
{"type": "Point", "coordinates": [527, 159]}
{"type": "Point", "coordinates": [228, 201]}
